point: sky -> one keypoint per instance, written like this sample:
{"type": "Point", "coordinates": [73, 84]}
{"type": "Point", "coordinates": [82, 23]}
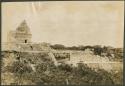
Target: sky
{"type": "Point", "coordinates": [70, 23]}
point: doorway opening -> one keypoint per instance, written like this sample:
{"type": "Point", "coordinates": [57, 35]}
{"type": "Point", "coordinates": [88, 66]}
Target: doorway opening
{"type": "Point", "coordinates": [25, 41]}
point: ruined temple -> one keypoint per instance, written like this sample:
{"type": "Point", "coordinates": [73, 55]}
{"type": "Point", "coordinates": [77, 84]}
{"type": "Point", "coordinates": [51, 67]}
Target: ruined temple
{"type": "Point", "coordinates": [20, 40]}
{"type": "Point", "coordinates": [22, 34]}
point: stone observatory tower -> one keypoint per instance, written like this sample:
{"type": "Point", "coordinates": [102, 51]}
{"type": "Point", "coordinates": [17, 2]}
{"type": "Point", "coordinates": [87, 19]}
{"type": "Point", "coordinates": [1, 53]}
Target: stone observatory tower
{"type": "Point", "coordinates": [21, 35]}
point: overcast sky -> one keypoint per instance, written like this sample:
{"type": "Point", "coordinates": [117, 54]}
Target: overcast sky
{"type": "Point", "coordinates": [69, 23]}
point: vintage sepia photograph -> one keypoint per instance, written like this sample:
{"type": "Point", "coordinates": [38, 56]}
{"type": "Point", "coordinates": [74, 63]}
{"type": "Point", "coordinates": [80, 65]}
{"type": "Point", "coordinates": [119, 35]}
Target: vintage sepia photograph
{"type": "Point", "coordinates": [62, 43]}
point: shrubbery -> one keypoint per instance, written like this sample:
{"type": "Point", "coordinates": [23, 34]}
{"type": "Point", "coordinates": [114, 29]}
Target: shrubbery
{"type": "Point", "coordinates": [20, 68]}
{"type": "Point", "coordinates": [46, 73]}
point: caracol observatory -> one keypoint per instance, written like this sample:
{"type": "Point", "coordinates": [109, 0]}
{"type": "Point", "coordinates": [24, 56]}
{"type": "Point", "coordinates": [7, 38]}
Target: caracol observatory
{"type": "Point", "coordinates": [21, 40]}
{"type": "Point", "coordinates": [21, 35]}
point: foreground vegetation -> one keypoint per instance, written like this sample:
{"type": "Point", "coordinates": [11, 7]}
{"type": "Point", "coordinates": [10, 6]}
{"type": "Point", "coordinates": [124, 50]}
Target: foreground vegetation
{"type": "Point", "coordinates": [44, 72]}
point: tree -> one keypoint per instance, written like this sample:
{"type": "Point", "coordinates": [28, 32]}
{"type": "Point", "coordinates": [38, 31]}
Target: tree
{"type": "Point", "coordinates": [98, 50]}
{"type": "Point", "coordinates": [58, 46]}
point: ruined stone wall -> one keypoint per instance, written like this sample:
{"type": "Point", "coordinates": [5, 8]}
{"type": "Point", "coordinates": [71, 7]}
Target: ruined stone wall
{"type": "Point", "coordinates": [23, 38]}
{"type": "Point", "coordinates": [26, 47]}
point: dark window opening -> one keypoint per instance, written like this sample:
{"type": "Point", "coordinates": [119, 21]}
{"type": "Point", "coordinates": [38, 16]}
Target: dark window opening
{"type": "Point", "coordinates": [25, 41]}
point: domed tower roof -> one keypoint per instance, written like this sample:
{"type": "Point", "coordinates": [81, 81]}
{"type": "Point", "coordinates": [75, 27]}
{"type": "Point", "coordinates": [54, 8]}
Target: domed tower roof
{"type": "Point", "coordinates": [23, 28]}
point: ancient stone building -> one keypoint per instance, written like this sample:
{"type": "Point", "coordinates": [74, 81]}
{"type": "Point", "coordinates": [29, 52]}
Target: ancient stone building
{"type": "Point", "coordinates": [21, 35]}
{"type": "Point", "coordinates": [20, 40]}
